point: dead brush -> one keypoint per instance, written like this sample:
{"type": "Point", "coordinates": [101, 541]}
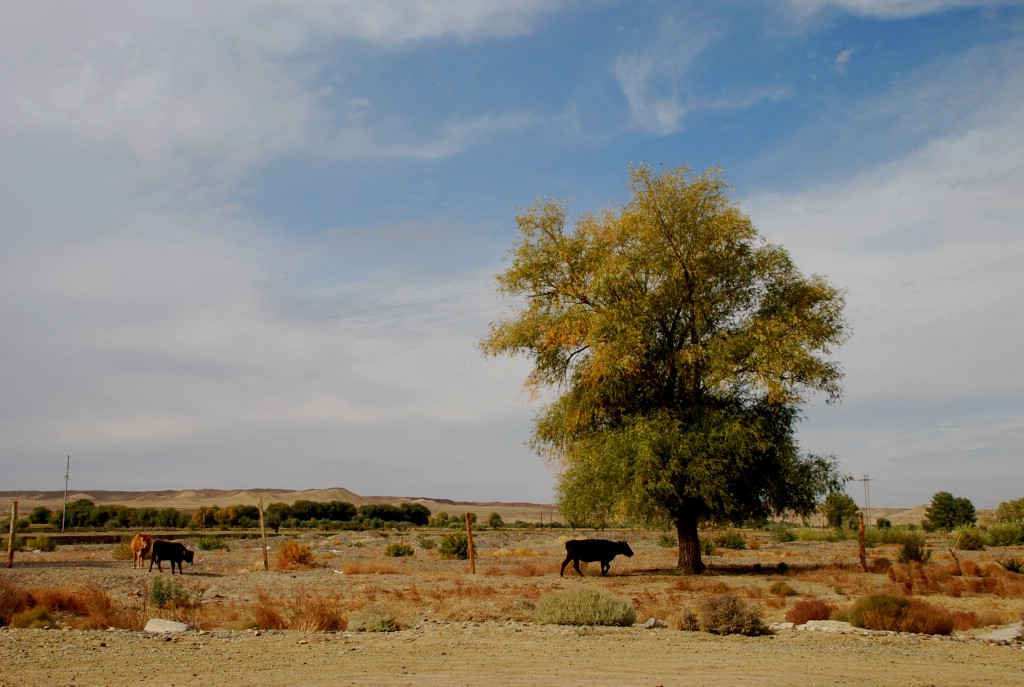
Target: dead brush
{"type": "Point", "coordinates": [690, 583]}
{"type": "Point", "coordinates": [810, 609]}
{"type": "Point", "coordinates": [295, 556]}
{"type": "Point", "coordinates": [304, 612]}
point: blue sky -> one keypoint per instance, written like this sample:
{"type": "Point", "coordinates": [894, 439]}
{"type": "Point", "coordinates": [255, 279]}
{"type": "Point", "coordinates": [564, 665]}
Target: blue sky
{"type": "Point", "coordinates": [252, 244]}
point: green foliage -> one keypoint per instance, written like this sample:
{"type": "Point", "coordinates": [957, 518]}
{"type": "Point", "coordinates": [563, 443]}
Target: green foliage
{"type": "Point", "coordinates": [1014, 565]}
{"type": "Point", "coordinates": [414, 513]}
{"type": "Point", "coordinates": [584, 606]}
{"type": "Point", "coordinates": [42, 543]}
{"type": "Point", "coordinates": [1005, 533]}
{"type": "Point", "coordinates": [731, 540]}
{"type": "Point", "coordinates": [398, 550]}
{"type": "Point", "coordinates": [947, 512]}
{"type": "Point", "coordinates": [840, 510]}
{"type": "Point", "coordinates": [35, 618]}
{"type": "Point", "coordinates": [439, 519]}
{"type": "Point", "coordinates": [1010, 511]}
{"type": "Point", "coordinates": [495, 521]}
{"type": "Point", "coordinates": [883, 523]}
{"type": "Point", "coordinates": [122, 550]}
{"type": "Point", "coordinates": [781, 588]}
{"type": "Point", "coordinates": [211, 543]}
{"type": "Point", "coordinates": [682, 346]}
{"type": "Point", "coordinates": [781, 532]}
{"type": "Point", "coordinates": [893, 535]}
{"type": "Point", "coordinates": [454, 546]}
{"type": "Point", "coordinates": [968, 538]}
{"type": "Point", "coordinates": [914, 551]}
{"type": "Point", "coordinates": [169, 594]}
{"type": "Point", "coordinates": [707, 547]}
{"type": "Point", "coordinates": [40, 515]}
{"type": "Point", "coordinates": [371, 619]}
{"type": "Point", "coordinates": [426, 542]}
{"type": "Point", "coordinates": [727, 614]}
{"type": "Point", "coordinates": [667, 540]}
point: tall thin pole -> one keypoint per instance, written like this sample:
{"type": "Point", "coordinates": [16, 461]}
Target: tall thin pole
{"type": "Point", "coordinates": [64, 512]}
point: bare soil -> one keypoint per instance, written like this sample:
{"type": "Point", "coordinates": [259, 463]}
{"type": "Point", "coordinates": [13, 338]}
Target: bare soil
{"type": "Point", "coordinates": [474, 628]}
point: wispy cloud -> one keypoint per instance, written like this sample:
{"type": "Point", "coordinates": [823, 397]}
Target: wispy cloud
{"type": "Point", "coordinates": [890, 9]}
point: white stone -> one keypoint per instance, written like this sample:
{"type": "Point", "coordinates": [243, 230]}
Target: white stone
{"type": "Point", "coordinates": [1005, 634]}
{"type": "Point", "coordinates": [156, 625]}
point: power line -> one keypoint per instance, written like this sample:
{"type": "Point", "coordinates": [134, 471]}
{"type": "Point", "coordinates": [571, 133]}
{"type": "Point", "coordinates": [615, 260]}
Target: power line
{"type": "Point", "coordinates": [867, 497]}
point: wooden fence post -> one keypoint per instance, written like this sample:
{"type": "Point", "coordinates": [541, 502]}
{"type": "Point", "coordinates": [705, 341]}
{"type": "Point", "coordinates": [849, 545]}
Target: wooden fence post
{"type": "Point", "coordinates": [469, 538]}
{"type": "Point", "coordinates": [263, 538]}
{"type": "Point", "coordinates": [10, 538]}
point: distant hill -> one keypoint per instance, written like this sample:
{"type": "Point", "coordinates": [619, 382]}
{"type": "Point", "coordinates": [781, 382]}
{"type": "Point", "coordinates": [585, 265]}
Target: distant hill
{"type": "Point", "coordinates": [190, 499]}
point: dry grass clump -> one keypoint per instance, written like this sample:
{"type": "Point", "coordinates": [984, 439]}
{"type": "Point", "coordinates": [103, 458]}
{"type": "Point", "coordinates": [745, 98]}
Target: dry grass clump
{"type": "Point", "coordinates": [809, 609]}
{"type": "Point", "coordinates": [304, 612]}
{"type": "Point", "coordinates": [584, 606]}
{"type": "Point", "coordinates": [369, 568]}
{"type": "Point", "coordinates": [957, 579]}
{"type": "Point", "coordinates": [83, 608]}
{"type": "Point", "coordinates": [294, 556]}
{"type": "Point", "coordinates": [373, 619]}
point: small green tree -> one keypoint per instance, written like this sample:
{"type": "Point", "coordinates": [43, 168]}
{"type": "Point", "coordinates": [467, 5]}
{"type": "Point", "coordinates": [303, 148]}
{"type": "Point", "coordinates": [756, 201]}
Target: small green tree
{"type": "Point", "coordinates": [495, 521]}
{"type": "Point", "coordinates": [840, 510]}
{"type": "Point", "coordinates": [947, 512]}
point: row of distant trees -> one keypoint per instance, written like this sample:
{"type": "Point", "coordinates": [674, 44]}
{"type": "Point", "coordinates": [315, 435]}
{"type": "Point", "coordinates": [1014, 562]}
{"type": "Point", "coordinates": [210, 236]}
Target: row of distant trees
{"type": "Point", "coordinates": [946, 512]}
{"type": "Point", "coordinates": [83, 513]}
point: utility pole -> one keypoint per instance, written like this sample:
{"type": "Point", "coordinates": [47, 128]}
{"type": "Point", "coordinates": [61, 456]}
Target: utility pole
{"type": "Point", "coordinates": [64, 512]}
{"type": "Point", "coordinates": [867, 497]}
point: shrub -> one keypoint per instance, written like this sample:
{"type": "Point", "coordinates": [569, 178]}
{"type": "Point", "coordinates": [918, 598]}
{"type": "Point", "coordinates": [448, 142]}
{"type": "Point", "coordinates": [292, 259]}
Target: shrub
{"type": "Point", "coordinates": [809, 609]}
{"type": "Point", "coordinates": [707, 547]}
{"type": "Point", "coordinates": [781, 588]}
{"type": "Point", "coordinates": [1014, 565]}
{"type": "Point", "coordinates": [171, 594]}
{"type": "Point", "coordinates": [294, 555]}
{"type": "Point", "coordinates": [731, 540]}
{"type": "Point", "coordinates": [1005, 533]}
{"type": "Point", "coordinates": [372, 619]}
{"type": "Point", "coordinates": [398, 550]}
{"type": "Point", "coordinates": [454, 546]}
{"type": "Point", "coordinates": [666, 540]}
{"type": "Point", "coordinates": [122, 550]}
{"type": "Point", "coordinates": [43, 543]}
{"type": "Point", "coordinates": [211, 543]}
{"type": "Point", "coordinates": [781, 532]}
{"type": "Point", "coordinates": [969, 538]}
{"type": "Point", "coordinates": [36, 618]}
{"type": "Point", "coordinates": [426, 542]}
{"type": "Point", "coordinates": [304, 613]}
{"type": "Point", "coordinates": [883, 523]}
{"type": "Point", "coordinates": [13, 600]}
{"type": "Point", "coordinates": [584, 606]}
{"type": "Point", "coordinates": [898, 614]}
{"type": "Point", "coordinates": [728, 614]}
{"type": "Point", "coordinates": [914, 551]}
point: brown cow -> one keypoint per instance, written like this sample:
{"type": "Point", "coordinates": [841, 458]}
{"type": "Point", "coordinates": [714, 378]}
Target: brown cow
{"type": "Point", "coordinates": [141, 546]}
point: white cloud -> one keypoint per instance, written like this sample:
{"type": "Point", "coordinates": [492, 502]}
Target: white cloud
{"type": "Point", "coordinates": [891, 9]}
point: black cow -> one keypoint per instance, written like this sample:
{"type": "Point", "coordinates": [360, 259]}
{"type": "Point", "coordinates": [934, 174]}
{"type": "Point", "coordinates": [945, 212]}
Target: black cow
{"type": "Point", "coordinates": [590, 550]}
{"type": "Point", "coordinates": [172, 551]}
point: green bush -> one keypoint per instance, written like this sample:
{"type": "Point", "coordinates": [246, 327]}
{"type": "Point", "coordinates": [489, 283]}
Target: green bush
{"type": "Point", "coordinates": [584, 606]}
{"type": "Point", "coordinates": [426, 542]}
{"type": "Point", "coordinates": [969, 538]}
{"type": "Point", "coordinates": [42, 543]}
{"type": "Point", "coordinates": [731, 540]}
{"type": "Point", "coordinates": [667, 540]}
{"type": "Point", "coordinates": [211, 543]}
{"type": "Point", "coordinates": [371, 619]}
{"type": "Point", "coordinates": [454, 546]}
{"type": "Point", "coordinates": [1005, 533]}
{"type": "Point", "coordinates": [398, 550]}
{"type": "Point", "coordinates": [728, 614]}
{"type": "Point", "coordinates": [1014, 565]}
{"type": "Point", "coordinates": [914, 552]}
{"type": "Point", "coordinates": [171, 594]}
{"type": "Point", "coordinates": [35, 618]}
{"type": "Point", "coordinates": [782, 588]}
{"type": "Point", "coordinates": [707, 547]}
{"type": "Point", "coordinates": [893, 535]}
{"type": "Point", "coordinates": [781, 532]}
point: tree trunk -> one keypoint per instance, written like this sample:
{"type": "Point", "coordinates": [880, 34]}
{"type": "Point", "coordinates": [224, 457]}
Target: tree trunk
{"type": "Point", "coordinates": [689, 546]}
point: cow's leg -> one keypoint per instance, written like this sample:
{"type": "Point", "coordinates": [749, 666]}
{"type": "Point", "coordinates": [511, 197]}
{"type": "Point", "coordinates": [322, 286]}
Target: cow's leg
{"type": "Point", "coordinates": [576, 564]}
{"type": "Point", "coordinates": [605, 567]}
{"type": "Point", "coordinates": [564, 563]}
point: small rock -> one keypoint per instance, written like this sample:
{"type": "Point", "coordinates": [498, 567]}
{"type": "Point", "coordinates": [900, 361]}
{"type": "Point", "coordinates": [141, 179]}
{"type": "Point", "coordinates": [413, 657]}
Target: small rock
{"type": "Point", "coordinates": [652, 623]}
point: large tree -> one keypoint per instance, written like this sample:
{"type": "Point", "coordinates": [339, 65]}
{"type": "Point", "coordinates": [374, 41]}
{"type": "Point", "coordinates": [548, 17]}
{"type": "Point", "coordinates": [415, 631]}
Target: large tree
{"type": "Point", "coordinates": [680, 347]}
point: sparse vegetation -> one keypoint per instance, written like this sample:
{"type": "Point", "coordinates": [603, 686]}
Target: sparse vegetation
{"type": "Point", "coordinates": [584, 606]}
{"type": "Point", "coordinates": [399, 550]}
{"type": "Point", "coordinates": [900, 614]}
{"type": "Point", "coordinates": [372, 619]}
{"type": "Point", "coordinates": [293, 555]}
{"type": "Point", "coordinates": [170, 594]}
{"type": "Point", "coordinates": [731, 540]}
{"type": "Point", "coordinates": [728, 614]}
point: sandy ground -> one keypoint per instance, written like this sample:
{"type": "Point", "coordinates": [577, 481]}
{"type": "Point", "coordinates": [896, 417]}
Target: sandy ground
{"type": "Point", "coordinates": [460, 628]}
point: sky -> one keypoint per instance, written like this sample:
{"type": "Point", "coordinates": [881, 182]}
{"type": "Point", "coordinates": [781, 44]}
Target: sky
{"type": "Point", "coordinates": [252, 243]}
